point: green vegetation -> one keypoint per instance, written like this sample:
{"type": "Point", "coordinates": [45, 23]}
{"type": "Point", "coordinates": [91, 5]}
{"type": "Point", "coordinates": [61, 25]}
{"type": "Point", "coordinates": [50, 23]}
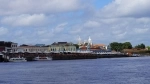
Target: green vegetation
{"type": "Point", "coordinates": [141, 46]}
{"type": "Point", "coordinates": [127, 47]}
{"type": "Point", "coordinates": [120, 46]}
{"type": "Point", "coordinates": [148, 47]}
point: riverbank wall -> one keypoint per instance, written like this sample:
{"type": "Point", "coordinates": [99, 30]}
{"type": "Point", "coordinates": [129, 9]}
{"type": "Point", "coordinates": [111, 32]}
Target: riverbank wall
{"type": "Point", "coordinates": [61, 56]}
{"type": "Point", "coordinates": [73, 56]}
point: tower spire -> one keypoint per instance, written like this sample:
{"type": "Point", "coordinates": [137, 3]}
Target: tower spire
{"type": "Point", "coordinates": [90, 41]}
{"type": "Point", "coordinates": [79, 40]}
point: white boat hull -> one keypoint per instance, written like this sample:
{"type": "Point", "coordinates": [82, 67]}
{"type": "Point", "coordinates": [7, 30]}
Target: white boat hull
{"type": "Point", "coordinates": [17, 60]}
{"type": "Point", "coordinates": [42, 58]}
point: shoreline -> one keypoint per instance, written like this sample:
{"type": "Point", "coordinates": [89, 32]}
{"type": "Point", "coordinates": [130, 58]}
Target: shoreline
{"type": "Point", "coordinates": [66, 56]}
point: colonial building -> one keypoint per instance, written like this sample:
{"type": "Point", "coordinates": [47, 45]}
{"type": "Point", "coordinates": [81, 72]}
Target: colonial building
{"type": "Point", "coordinates": [8, 46]}
{"type": "Point", "coordinates": [33, 48]}
{"type": "Point", "coordinates": [62, 47]}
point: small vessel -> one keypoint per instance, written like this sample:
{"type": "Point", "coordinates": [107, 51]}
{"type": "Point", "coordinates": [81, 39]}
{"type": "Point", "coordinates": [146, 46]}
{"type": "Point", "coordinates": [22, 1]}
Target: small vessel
{"type": "Point", "coordinates": [135, 55]}
{"type": "Point", "coordinates": [42, 58]}
{"type": "Point", "coordinates": [17, 59]}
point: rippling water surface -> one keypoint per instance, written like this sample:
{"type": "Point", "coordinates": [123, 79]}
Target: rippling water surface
{"type": "Point", "coordinates": [134, 70]}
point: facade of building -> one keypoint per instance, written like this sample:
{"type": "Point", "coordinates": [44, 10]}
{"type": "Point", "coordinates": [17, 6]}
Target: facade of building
{"type": "Point", "coordinates": [8, 46]}
{"type": "Point", "coordinates": [62, 47]}
{"type": "Point", "coordinates": [32, 49]}
{"type": "Point", "coordinates": [14, 47]}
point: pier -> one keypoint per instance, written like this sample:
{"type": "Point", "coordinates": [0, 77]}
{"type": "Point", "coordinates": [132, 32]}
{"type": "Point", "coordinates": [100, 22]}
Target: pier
{"type": "Point", "coordinates": [62, 55]}
{"type": "Point", "coordinates": [55, 56]}
{"type": "Point", "coordinates": [111, 54]}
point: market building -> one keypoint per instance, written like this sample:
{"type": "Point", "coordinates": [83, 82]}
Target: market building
{"type": "Point", "coordinates": [62, 47]}
{"type": "Point", "coordinates": [33, 48]}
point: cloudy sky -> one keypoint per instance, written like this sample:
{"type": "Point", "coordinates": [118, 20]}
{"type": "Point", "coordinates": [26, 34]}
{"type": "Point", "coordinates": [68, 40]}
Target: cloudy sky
{"type": "Point", "coordinates": [48, 21]}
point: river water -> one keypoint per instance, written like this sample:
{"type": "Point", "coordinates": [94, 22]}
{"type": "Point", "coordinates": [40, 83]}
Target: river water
{"type": "Point", "coordinates": [132, 70]}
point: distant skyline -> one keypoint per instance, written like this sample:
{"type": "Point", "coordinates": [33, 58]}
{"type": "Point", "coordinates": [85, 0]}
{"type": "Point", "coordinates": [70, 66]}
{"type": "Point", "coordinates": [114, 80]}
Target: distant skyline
{"type": "Point", "coordinates": [48, 21]}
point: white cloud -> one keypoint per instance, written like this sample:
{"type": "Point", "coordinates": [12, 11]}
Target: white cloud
{"type": "Point", "coordinates": [25, 20]}
{"type": "Point", "coordinates": [3, 31]}
{"type": "Point", "coordinates": [60, 27]}
{"type": "Point", "coordinates": [9, 7]}
{"type": "Point", "coordinates": [115, 32]}
{"type": "Point", "coordinates": [141, 30]}
{"type": "Point", "coordinates": [75, 31]}
{"type": "Point", "coordinates": [18, 33]}
{"type": "Point", "coordinates": [121, 20]}
{"type": "Point", "coordinates": [92, 24]}
{"type": "Point", "coordinates": [127, 8]}
{"type": "Point", "coordinates": [145, 20]}
{"type": "Point", "coordinates": [121, 35]}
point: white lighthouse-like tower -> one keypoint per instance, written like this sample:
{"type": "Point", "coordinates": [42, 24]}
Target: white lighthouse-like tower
{"type": "Point", "coordinates": [90, 41]}
{"type": "Point", "coordinates": [86, 43]}
{"type": "Point", "coordinates": [79, 41]}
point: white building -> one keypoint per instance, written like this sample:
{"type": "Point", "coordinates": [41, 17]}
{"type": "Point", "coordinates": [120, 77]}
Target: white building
{"type": "Point", "coordinates": [32, 49]}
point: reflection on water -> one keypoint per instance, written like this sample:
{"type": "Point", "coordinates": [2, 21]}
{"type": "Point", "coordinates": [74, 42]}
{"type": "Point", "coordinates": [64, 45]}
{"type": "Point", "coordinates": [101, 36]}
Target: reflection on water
{"type": "Point", "coordinates": [134, 70]}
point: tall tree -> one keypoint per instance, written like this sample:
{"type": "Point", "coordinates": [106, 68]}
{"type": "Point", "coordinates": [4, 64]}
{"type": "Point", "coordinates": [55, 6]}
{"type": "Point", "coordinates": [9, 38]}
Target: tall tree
{"type": "Point", "coordinates": [116, 46]}
{"type": "Point", "coordinates": [141, 46]}
{"type": "Point", "coordinates": [127, 45]}
{"type": "Point", "coordinates": [120, 46]}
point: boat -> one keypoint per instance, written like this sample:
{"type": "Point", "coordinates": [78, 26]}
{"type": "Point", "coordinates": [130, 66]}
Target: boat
{"type": "Point", "coordinates": [42, 58]}
{"type": "Point", "coordinates": [17, 59]}
{"type": "Point", "coordinates": [1, 57]}
{"type": "Point", "coordinates": [135, 55]}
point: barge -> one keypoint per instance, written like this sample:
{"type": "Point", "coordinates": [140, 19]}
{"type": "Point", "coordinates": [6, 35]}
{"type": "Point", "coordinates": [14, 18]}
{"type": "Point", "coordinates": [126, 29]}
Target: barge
{"type": "Point", "coordinates": [111, 54]}
{"type": "Point", "coordinates": [72, 56]}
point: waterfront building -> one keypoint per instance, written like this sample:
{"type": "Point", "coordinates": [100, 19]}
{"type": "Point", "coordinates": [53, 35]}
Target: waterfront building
{"type": "Point", "coordinates": [88, 45]}
{"type": "Point", "coordinates": [85, 42]}
{"type": "Point", "coordinates": [94, 47]}
{"type": "Point", "coordinates": [8, 46]}
{"type": "Point", "coordinates": [32, 49]}
{"type": "Point", "coordinates": [62, 47]}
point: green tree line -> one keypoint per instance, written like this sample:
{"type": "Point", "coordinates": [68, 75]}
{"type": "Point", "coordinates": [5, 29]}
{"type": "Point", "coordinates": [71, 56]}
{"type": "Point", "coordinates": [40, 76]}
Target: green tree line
{"type": "Point", "coordinates": [141, 46]}
{"type": "Point", "coordinates": [126, 45]}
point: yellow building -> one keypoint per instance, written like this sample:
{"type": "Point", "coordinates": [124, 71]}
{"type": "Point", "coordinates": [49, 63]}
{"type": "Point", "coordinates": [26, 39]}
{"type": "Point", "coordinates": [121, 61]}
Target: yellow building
{"type": "Point", "coordinates": [62, 47]}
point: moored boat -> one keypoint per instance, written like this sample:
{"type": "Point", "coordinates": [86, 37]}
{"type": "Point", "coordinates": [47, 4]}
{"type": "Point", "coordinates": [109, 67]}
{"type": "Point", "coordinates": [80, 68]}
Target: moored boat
{"type": "Point", "coordinates": [42, 58]}
{"type": "Point", "coordinates": [17, 59]}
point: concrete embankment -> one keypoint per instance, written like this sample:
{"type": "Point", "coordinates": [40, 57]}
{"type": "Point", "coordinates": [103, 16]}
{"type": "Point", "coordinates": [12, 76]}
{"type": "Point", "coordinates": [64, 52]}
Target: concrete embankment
{"type": "Point", "coordinates": [85, 56]}
{"type": "Point", "coordinates": [63, 56]}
